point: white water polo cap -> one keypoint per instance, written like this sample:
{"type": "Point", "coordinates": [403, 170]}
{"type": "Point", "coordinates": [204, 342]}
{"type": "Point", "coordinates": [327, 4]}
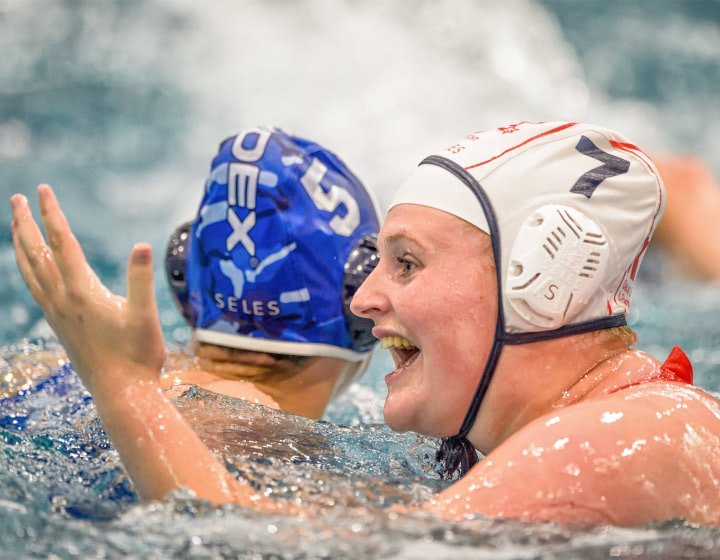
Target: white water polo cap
{"type": "Point", "coordinates": [570, 209]}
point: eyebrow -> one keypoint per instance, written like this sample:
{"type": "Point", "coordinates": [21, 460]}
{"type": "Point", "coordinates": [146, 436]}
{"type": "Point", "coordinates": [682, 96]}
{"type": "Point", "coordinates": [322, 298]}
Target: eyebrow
{"type": "Point", "coordinates": [403, 235]}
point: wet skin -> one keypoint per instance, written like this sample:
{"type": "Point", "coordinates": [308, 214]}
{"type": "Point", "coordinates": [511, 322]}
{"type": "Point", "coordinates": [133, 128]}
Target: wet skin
{"type": "Point", "coordinates": [419, 292]}
{"type": "Point", "coordinates": [565, 442]}
{"type": "Point", "coordinates": [562, 442]}
{"type": "Point", "coordinates": [304, 388]}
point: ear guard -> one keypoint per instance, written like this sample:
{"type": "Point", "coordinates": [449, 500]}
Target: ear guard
{"type": "Point", "coordinates": [361, 262]}
{"type": "Point", "coordinates": [175, 257]}
{"type": "Point", "coordinates": [554, 265]}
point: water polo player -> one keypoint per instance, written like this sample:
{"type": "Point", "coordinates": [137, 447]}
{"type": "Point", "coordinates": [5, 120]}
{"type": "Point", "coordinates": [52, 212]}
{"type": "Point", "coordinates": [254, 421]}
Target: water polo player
{"type": "Point", "coordinates": [264, 275]}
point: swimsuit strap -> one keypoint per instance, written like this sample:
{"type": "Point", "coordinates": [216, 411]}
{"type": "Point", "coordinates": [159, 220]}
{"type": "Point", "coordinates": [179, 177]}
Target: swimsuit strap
{"type": "Point", "coordinates": [676, 368]}
{"type": "Point", "coordinates": [678, 365]}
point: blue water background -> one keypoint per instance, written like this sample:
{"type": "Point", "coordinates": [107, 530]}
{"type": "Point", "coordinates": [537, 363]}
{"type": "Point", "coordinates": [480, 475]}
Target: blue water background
{"type": "Point", "coordinates": [120, 106]}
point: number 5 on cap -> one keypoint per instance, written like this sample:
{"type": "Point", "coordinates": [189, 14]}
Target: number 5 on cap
{"type": "Point", "coordinates": [342, 225]}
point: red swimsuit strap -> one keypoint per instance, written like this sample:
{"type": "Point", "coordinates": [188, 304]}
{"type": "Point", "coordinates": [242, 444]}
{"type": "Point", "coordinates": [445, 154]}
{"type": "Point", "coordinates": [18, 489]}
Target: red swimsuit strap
{"type": "Point", "coordinates": [677, 367]}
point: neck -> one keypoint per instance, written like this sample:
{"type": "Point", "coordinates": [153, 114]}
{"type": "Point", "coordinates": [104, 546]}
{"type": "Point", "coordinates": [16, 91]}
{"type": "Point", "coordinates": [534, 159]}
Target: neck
{"type": "Point", "coordinates": [307, 392]}
{"type": "Point", "coordinates": [533, 379]}
{"type": "Point", "coordinates": [298, 386]}
{"type": "Point", "coordinates": [608, 375]}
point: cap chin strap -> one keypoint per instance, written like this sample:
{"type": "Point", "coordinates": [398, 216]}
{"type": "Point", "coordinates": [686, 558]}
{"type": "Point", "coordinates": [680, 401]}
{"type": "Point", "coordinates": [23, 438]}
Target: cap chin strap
{"type": "Point", "coordinates": [456, 453]}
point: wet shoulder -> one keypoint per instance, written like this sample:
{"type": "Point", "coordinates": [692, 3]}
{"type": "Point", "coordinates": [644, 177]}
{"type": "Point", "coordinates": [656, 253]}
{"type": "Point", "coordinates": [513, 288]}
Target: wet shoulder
{"type": "Point", "coordinates": [648, 453]}
{"type": "Point", "coordinates": [177, 381]}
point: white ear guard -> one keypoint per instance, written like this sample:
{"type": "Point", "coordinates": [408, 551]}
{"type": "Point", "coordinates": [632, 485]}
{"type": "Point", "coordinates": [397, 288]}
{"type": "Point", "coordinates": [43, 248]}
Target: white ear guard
{"type": "Point", "coordinates": [554, 265]}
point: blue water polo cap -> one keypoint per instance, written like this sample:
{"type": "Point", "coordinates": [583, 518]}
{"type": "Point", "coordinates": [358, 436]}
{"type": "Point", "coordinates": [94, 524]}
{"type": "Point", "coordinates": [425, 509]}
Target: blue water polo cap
{"type": "Point", "coordinates": [283, 237]}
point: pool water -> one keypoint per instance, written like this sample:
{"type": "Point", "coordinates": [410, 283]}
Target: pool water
{"type": "Point", "coordinates": [121, 111]}
{"type": "Point", "coordinates": [64, 494]}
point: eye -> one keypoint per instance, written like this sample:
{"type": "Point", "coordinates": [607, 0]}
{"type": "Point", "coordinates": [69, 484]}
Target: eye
{"type": "Point", "coordinates": [406, 266]}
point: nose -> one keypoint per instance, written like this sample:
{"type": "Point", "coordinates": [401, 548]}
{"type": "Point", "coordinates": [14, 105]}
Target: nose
{"type": "Point", "coordinates": [369, 300]}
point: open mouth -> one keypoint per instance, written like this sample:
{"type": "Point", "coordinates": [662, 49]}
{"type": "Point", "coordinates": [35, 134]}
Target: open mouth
{"type": "Point", "coordinates": [401, 349]}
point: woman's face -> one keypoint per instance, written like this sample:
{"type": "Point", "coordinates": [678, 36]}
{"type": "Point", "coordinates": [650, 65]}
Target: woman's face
{"type": "Point", "coordinates": [433, 299]}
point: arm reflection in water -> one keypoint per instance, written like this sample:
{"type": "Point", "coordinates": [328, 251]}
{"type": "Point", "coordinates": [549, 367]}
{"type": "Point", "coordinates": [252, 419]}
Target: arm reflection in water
{"type": "Point", "coordinates": [506, 271]}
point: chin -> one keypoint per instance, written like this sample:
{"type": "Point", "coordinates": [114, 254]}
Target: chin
{"type": "Point", "coordinates": [404, 421]}
{"type": "Point", "coordinates": [397, 420]}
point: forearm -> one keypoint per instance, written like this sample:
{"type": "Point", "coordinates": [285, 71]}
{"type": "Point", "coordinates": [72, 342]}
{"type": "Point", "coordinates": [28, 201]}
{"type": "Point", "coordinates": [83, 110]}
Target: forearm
{"type": "Point", "coordinates": [160, 449]}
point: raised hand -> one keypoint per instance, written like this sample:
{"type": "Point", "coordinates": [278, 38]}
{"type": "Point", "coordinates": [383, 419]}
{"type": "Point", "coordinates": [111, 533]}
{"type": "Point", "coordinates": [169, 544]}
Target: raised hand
{"type": "Point", "coordinates": [107, 337]}
{"type": "Point", "coordinates": [116, 346]}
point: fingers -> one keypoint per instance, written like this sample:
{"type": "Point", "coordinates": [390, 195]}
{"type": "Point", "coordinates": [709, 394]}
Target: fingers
{"type": "Point", "coordinates": [141, 292]}
{"type": "Point", "coordinates": [69, 256]}
{"type": "Point", "coordinates": [32, 255]}
{"type": "Point", "coordinates": [26, 270]}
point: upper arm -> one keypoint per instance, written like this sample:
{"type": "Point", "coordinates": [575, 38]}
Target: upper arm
{"type": "Point", "coordinates": [611, 460]}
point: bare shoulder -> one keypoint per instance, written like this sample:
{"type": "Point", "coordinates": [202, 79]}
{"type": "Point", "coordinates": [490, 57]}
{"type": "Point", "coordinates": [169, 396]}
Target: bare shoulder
{"type": "Point", "coordinates": [174, 382]}
{"type": "Point", "coordinates": [647, 453]}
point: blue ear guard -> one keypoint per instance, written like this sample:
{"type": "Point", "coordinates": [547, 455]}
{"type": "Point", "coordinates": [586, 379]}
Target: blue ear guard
{"type": "Point", "coordinates": [361, 262]}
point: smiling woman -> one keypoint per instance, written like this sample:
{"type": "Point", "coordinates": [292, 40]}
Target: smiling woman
{"type": "Point", "coordinates": [507, 264]}
{"type": "Point", "coordinates": [506, 271]}
{"type": "Point", "coordinates": [425, 278]}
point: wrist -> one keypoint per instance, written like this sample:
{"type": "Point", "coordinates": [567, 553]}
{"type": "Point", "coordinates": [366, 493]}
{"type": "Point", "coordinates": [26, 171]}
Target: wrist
{"type": "Point", "coordinates": [116, 383]}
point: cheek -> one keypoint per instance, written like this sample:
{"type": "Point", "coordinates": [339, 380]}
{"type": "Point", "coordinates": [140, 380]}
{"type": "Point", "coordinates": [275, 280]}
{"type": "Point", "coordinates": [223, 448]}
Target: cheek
{"type": "Point", "coordinates": [463, 333]}
{"type": "Point", "coordinates": [467, 317]}
{"type": "Point", "coordinates": [416, 306]}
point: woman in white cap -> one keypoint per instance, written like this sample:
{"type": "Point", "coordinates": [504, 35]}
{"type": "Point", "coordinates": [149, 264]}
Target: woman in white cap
{"type": "Point", "coordinates": [506, 269]}
{"type": "Point", "coordinates": [507, 264]}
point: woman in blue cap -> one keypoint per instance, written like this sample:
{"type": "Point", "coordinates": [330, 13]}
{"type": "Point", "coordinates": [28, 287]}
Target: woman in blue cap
{"type": "Point", "coordinates": [506, 272]}
{"type": "Point", "coordinates": [265, 273]}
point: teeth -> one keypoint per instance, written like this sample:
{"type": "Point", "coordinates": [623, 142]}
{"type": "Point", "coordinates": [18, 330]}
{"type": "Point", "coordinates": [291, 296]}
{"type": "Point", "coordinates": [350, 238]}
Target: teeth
{"type": "Point", "coordinates": [395, 342]}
